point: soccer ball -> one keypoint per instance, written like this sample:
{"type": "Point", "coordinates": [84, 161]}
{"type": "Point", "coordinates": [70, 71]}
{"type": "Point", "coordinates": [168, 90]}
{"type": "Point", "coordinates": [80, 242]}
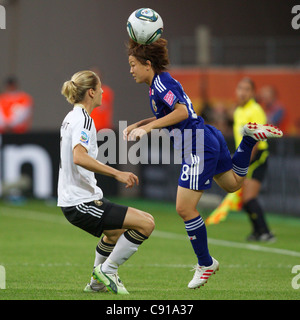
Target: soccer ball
{"type": "Point", "coordinates": [145, 26]}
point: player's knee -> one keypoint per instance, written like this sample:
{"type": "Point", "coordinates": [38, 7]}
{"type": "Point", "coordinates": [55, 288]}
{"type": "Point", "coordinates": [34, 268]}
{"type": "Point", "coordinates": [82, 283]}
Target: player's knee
{"type": "Point", "coordinates": [112, 238]}
{"type": "Point", "coordinates": [148, 224]}
{"type": "Point", "coordinates": [231, 188]}
{"type": "Point", "coordinates": [185, 213]}
{"type": "Point", "coordinates": [151, 222]}
{"type": "Point", "coordinates": [180, 210]}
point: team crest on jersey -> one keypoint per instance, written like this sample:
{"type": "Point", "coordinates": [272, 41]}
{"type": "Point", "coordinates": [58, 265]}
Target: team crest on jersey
{"type": "Point", "coordinates": [84, 137]}
{"type": "Point", "coordinates": [169, 98]}
{"type": "Point", "coordinates": [98, 203]}
{"type": "Point", "coordinates": [154, 106]}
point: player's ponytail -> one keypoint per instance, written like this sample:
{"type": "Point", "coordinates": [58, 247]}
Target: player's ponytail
{"type": "Point", "coordinates": [74, 90]}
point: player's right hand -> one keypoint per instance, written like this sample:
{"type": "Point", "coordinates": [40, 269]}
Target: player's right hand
{"type": "Point", "coordinates": [129, 178]}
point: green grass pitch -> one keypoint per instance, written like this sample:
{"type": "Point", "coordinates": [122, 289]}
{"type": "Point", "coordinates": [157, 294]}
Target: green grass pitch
{"type": "Point", "coordinates": [46, 258]}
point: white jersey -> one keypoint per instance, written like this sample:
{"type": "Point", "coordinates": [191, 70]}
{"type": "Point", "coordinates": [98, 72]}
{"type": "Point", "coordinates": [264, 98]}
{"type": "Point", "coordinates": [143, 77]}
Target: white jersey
{"type": "Point", "coordinates": [76, 184]}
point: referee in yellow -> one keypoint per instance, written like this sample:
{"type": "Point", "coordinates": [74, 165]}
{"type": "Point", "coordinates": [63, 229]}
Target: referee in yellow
{"type": "Point", "coordinates": [249, 110]}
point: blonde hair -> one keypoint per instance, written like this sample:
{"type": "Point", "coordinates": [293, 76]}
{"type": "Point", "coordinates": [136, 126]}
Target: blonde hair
{"type": "Point", "coordinates": [74, 90]}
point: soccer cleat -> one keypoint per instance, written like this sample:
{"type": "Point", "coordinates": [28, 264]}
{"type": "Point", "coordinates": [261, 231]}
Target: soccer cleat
{"type": "Point", "coordinates": [95, 287]}
{"type": "Point", "coordinates": [202, 274]}
{"type": "Point", "coordinates": [261, 132]}
{"type": "Point", "coordinates": [112, 281]}
{"type": "Point", "coordinates": [267, 237]}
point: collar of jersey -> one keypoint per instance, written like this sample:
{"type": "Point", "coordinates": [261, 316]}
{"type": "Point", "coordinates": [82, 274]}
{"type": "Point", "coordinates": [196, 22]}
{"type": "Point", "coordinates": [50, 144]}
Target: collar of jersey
{"type": "Point", "coordinates": [155, 75]}
{"type": "Point", "coordinates": [249, 103]}
{"type": "Point", "coordinates": [80, 106]}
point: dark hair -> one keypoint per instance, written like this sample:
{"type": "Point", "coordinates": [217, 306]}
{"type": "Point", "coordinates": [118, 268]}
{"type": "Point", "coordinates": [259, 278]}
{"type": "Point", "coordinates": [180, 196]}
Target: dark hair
{"type": "Point", "coordinates": [156, 53]}
{"type": "Point", "coordinates": [250, 81]}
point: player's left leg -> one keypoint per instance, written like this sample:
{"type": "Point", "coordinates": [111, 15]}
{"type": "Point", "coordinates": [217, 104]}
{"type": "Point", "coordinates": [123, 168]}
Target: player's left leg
{"type": "Point", "coordinates": [254, 210]}
{"type": "Point", "coordinates": [139, 226]}
{"type": "Point", "coordinates": [186, 206]}
{"type": "Point", "coordinates": [103, 250]}
{"type": "Point", "coordinates": [251, 205]}
{"type": "Point", "coordinates": [232, 180]}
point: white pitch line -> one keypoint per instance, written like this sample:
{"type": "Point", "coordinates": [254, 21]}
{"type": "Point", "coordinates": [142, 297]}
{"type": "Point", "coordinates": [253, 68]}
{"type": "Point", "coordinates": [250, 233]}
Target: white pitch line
{"type": "Point", "coordinates": [33, 215]}
{"type": "Point", "coordinates": [230, 244]}
{"type": "Point", "coordinates": [253, 247]}
{"type": "Point", "coordinates": [48, 217]}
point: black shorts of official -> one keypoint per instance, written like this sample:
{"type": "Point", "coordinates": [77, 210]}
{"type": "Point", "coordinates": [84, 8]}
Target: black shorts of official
{"type": "Point", "coordinates": [96, 216]}
{"type": "Point", "coordinates": [258, 166]}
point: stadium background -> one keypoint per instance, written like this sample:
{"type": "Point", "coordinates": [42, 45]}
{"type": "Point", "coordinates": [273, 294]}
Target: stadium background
{"type": "Point", "coordinates": [45, 42]}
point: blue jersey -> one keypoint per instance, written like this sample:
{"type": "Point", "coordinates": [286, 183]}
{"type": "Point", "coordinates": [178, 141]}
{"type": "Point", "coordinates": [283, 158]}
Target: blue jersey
{"type": "Point", "coordinates": [204, 150]}
{"type": "Point", "coordinates": [164, 93]}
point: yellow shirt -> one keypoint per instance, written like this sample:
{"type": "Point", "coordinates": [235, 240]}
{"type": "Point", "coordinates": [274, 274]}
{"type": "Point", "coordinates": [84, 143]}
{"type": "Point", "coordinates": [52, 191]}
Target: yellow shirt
{"type": "Point", "coordinates": [250, 112]}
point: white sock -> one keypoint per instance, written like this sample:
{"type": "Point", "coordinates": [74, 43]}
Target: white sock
{"type": "Point", "coordinates": [125, 247]}
{"type": "Point", "coordinates": [99, 258]}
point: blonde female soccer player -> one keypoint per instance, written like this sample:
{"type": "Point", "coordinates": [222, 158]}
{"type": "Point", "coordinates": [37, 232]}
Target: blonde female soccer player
{"type": "Point", "coordinates": [81, 200]}
{"type": "Point", "coordinates": [202, 162]}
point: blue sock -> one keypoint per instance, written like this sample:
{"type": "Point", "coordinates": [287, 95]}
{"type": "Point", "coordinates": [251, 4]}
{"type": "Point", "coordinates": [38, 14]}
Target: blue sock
{"type": "Point", "coordinates": [197, 234]}
{"type": "Point", "coordinates": [241, 157]}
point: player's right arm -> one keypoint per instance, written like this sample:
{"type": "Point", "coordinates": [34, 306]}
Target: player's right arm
{"type": "Point", "coordinates": [138, 124]}
{"type": "Point", "coordinates": [83, 159]}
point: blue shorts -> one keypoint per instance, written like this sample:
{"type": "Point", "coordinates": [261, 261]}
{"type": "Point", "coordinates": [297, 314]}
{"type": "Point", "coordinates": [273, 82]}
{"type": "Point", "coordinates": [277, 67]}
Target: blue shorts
{"type": "Point", "coordinates": [199, 168]}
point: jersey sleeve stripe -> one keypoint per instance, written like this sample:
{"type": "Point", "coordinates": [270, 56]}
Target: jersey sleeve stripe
{"type": "Point", "coordinates": [161, 84]}
{"type": "Point", "coordinates": [157, 86]}
{"type": "Point", "coordinates": [87, 120]}
{"type": "Point", "coordinates": [90, 123]}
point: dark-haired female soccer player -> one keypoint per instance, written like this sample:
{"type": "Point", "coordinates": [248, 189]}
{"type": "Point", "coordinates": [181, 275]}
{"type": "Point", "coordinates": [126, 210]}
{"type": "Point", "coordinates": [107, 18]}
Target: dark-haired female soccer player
{"type": "Point", "coordinates": [174, 110]}
{"type": "Point", "coordinates": [79, 197]}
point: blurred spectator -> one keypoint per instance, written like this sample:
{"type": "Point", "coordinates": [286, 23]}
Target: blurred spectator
{"type": "Point", "coordinates": [268, 97]}
{"type": "Point", "coordinates": [248, 110]}
{"type": "Point", "coordinates": [219, 116]}
{"type": "Point", "coordinates": [16, 108]}
{"type": "Point", "coordinates": [103, 115]}
{"type": "Point", "coordinates": [221, 119]}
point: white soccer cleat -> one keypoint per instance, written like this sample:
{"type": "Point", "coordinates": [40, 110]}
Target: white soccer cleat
{"type": "Point", "coordinates": [261, 132]}
{"type": "Point", "coordinates": [112, 281]}
{"type": "Point", "coordinates": [202, 274]}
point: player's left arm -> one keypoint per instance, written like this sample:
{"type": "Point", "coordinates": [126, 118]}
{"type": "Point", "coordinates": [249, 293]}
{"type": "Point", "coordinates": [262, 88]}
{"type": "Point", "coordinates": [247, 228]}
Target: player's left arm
{"type": "Point", "coordinates": [179, 114]}
{"type": "Point", "coordinates": [83, 159]}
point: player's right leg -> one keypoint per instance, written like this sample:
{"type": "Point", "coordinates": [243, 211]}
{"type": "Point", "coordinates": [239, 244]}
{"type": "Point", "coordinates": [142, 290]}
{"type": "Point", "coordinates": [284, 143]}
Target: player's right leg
{"type": "Point", "coordinates": [186, 207]}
